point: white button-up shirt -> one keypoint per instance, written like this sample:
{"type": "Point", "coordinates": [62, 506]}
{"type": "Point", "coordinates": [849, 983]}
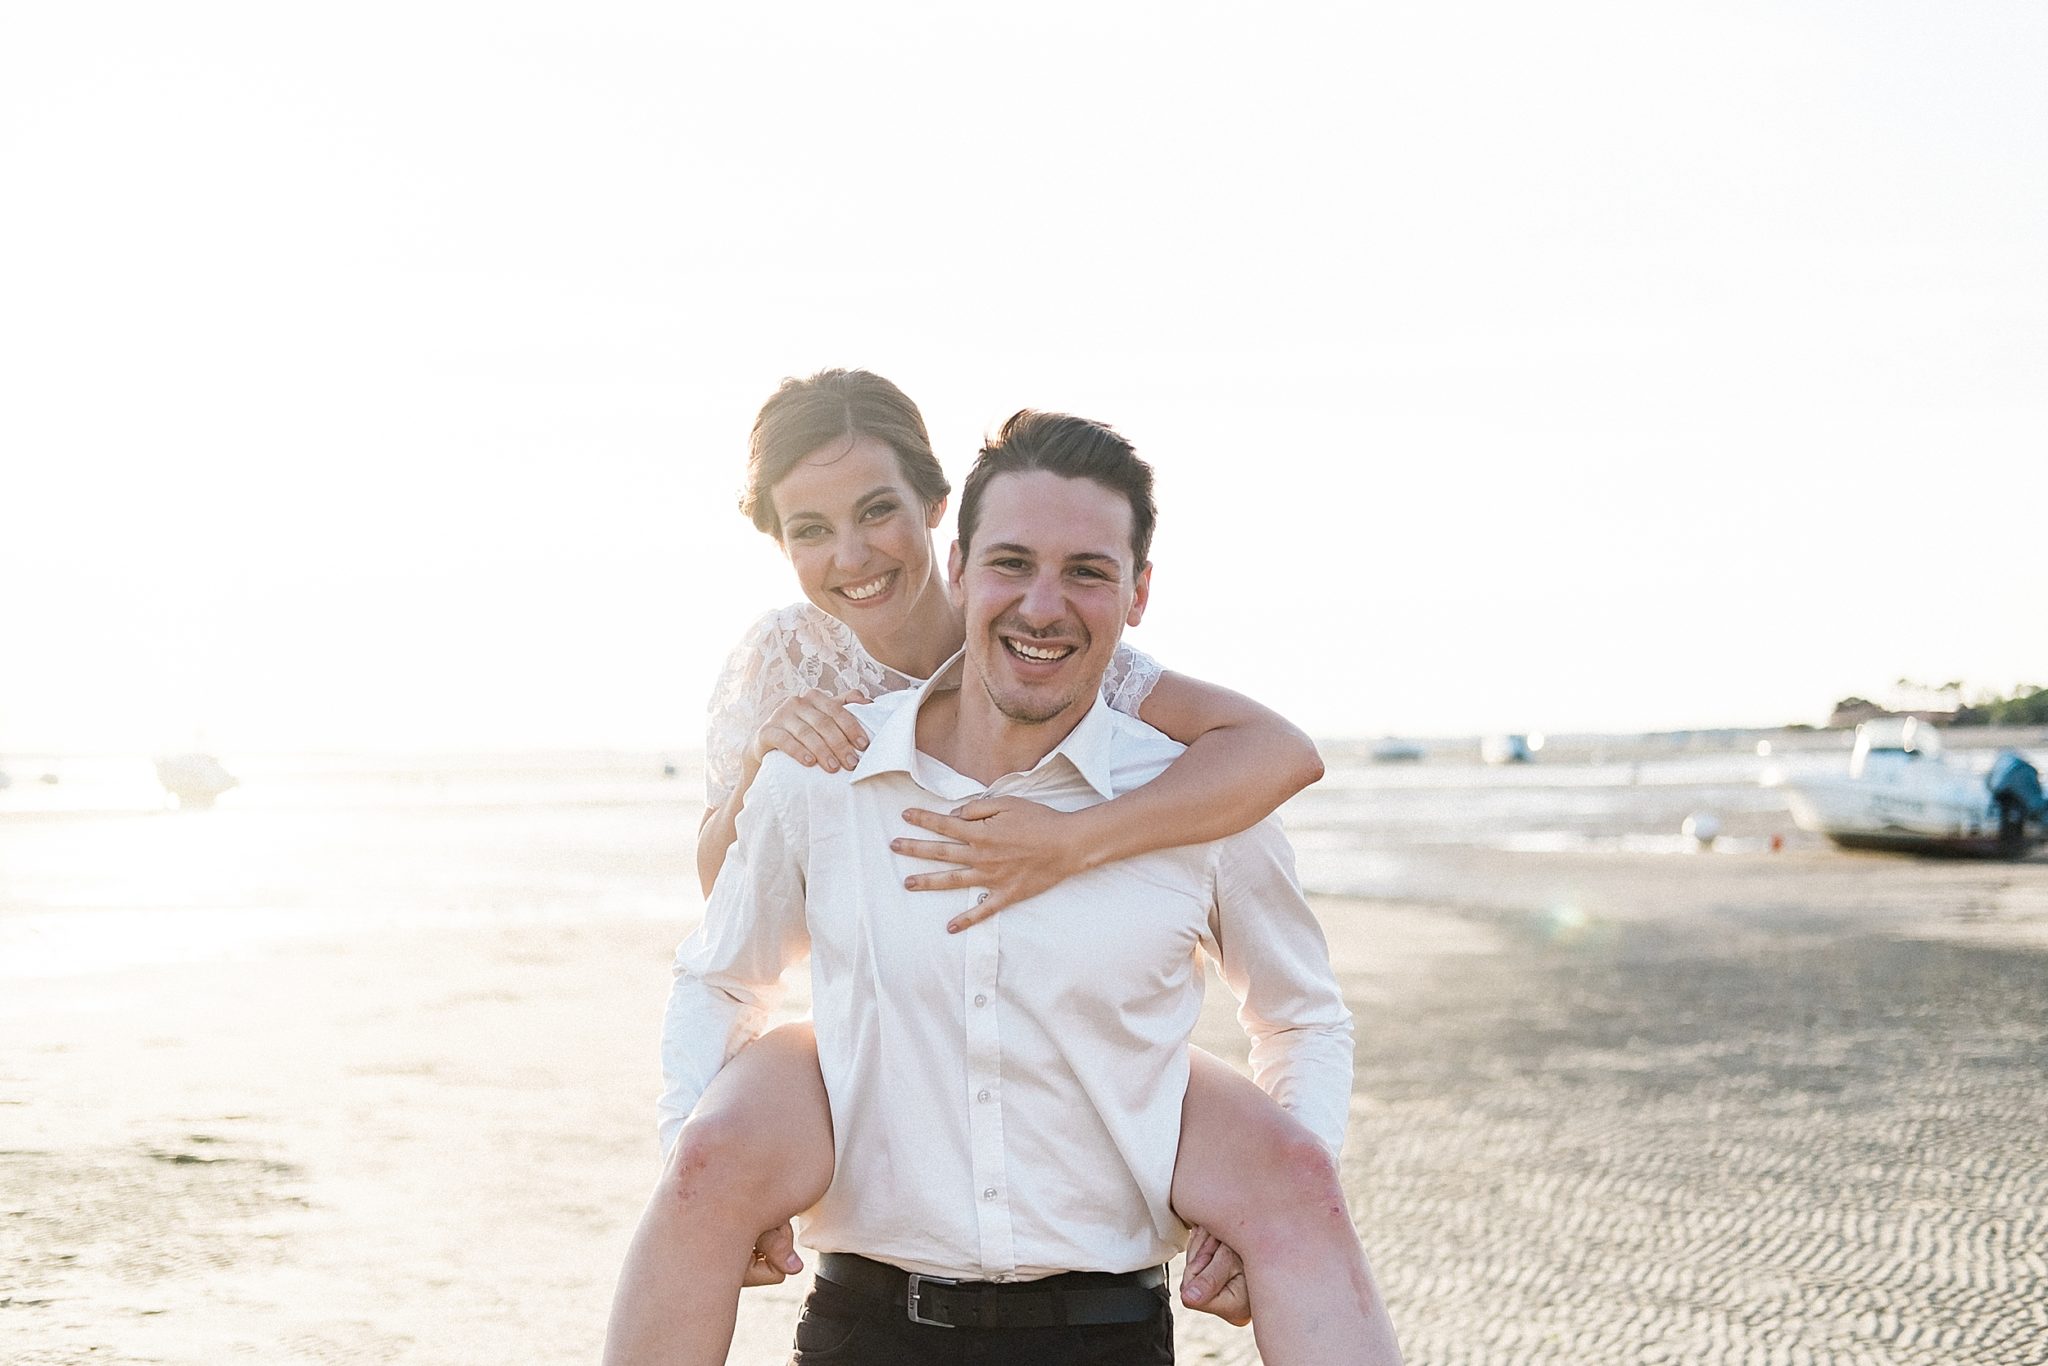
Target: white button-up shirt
{"type": "Point", "coordinates": [1006, 1100]}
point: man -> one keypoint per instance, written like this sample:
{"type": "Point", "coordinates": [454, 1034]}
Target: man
{"type": "Point", "coordinates": [1006, 1101]}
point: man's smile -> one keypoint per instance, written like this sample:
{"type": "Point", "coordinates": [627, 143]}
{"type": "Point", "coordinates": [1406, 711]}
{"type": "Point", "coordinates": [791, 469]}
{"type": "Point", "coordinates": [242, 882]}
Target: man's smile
{"type": "Point", "coordinates": [1036, 653]}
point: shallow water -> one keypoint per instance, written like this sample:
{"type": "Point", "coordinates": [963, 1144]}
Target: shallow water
{"type": "Point", "coordinates": [96, 871]}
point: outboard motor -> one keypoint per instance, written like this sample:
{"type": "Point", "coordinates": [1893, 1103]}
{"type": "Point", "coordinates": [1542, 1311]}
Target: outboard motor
{"type": "Point", "coordinates": [2016, 790]}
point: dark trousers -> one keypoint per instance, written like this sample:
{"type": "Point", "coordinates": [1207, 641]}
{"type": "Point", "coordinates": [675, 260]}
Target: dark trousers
{"type": "Point", "coordinates": [841, 1328]}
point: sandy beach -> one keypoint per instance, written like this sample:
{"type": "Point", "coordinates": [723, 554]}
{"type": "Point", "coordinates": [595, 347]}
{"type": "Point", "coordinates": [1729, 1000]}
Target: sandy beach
{"type": "Point", "coordinates": [1610, 1108]}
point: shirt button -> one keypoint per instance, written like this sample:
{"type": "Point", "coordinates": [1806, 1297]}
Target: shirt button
{"type": "Point", "coordinates": [989, 1194]}
{"type": "Point", "coordinates": [982, 1096]}
{"type": "Point", "coordinates": [980, 1000]}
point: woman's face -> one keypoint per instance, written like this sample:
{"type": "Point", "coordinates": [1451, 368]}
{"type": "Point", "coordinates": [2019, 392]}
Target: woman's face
{"type": "Point", "coordinates": [857, 535]}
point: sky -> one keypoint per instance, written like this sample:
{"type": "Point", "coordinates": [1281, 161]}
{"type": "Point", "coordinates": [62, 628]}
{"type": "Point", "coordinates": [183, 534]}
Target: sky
{"type": "Point", "coordinates": [378, 377]}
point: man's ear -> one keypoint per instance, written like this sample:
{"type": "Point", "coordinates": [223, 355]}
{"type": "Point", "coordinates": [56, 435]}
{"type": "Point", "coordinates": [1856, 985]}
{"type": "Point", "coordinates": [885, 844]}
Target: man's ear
{"type": "Point", "coordinates": [956, 566]}
{"type": "Point", "coordinates": [1143, 593]}
{"type": "Point", "coordinates": [933, 512]}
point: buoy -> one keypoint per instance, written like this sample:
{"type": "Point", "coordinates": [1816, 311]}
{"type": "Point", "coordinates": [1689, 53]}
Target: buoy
{"type": "Point", "coordinates": [1702, 826]}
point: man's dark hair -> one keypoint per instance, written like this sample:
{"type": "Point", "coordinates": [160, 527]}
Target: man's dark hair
{"type": "Point", "coordinates": [1074, 448]}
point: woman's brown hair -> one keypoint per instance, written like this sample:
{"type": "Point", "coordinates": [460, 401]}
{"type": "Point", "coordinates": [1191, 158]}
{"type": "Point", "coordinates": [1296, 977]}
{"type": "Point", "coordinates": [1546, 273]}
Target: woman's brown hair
{"type": "Point", "coordinates": [805, 415]}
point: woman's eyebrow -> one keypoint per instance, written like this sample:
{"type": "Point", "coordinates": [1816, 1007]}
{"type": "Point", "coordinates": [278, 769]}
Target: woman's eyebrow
{"type": "Point", "coordinates": [864, 499]}
{"type": "Point", "coordinates": [859, 502]}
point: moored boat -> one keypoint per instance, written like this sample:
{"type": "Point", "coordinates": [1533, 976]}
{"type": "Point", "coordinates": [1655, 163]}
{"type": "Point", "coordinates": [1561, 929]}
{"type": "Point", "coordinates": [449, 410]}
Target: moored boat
{"type": "Point", "coordinates": [1391, 750]}
{"type": "Point", "coordinates": [1507, 749]}
{"type": "Point", "coordinates": [1902, 793]}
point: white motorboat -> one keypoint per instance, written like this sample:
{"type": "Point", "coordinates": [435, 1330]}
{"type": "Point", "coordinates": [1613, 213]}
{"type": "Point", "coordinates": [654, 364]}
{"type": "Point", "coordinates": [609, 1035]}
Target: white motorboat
{"type": "Point", "coordinates": [194, 779]}
{"type": "Point", "coordinates": [1507, 749]}
{"type": "Point", "coordinates": [1901, 793]}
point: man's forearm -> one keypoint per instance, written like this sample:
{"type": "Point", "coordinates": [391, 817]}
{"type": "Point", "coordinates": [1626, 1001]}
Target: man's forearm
{"type": "Point", "coordinates": [728, 972]}
{"type": "Point", "coordinates": [1309, 1072]}
{"type": "Point", "coordinates": [701, 1030]}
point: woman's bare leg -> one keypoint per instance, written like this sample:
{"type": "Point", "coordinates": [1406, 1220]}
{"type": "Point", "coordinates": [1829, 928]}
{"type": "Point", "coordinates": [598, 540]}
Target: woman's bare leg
{"type": "Point", "coordinates": [756, 1152]}
{"type": "Point", "coordinates": [1253, 1176]}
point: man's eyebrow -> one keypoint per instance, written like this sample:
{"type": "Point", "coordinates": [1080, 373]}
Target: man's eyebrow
{"type": "Point", "coordinates": [1078, 557]}
{"type": "Point", "coordinates": [867, 497]}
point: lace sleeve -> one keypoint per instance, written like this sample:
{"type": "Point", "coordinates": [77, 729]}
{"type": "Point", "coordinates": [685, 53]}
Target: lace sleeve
{"type": "Point", "coordinates": [1128, 680]}
{"type": "Point", "coordinates": [787, 651]}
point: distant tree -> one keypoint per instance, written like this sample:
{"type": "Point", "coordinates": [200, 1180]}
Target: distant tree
{"type": "Point", "coordinates": [2028, 706]}
{"type": "Point", "coordinates": [1851, 711]}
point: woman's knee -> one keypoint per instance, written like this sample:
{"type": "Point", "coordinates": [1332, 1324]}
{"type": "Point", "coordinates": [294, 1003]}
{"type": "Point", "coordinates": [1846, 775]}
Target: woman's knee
{"type": "Point", "coordinates": [761, 1137]}
{"type": "Point", "coordinates": [1270, 1175]}
{"type": "Point", "coordinates": [719, 1161]}
{"type": "Point", "coordinates": [1296, 1166]}
{"type": "Point", "coordinates": [1301, 1200]}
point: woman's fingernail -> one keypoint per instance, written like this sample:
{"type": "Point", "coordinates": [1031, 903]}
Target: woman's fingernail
{"type": "Point", "coordinates": [955, 927]}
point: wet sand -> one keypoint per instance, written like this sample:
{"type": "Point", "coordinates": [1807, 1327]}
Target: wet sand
{"type": "Point", "coordinates": [1610, 1109]}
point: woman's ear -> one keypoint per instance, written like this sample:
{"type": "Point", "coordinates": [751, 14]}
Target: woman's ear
{"type": "Point", "coordinates": [933, 512]}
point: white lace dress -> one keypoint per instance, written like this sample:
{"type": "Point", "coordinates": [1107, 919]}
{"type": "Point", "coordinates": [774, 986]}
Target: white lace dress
{"type": "Point", "coordinates": [798, 647]}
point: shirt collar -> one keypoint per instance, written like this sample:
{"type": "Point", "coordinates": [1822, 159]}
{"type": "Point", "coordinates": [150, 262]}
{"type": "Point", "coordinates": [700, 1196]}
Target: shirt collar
{"type": "Point", "coordinates": [1086, 748]}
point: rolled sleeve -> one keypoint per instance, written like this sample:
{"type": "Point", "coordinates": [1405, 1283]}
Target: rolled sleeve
{"type": "Point", "coordinates": [728, 972]}
{"type": "Point", "coordinates": [1272, 954]}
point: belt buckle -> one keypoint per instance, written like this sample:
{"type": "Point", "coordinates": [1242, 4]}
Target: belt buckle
{"type": "Point", "coordinates": [914, 1296]}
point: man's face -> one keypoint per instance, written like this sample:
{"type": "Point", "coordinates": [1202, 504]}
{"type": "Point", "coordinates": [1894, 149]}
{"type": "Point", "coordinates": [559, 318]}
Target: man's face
{"type": "Point", "coordinates": [1047, 588]}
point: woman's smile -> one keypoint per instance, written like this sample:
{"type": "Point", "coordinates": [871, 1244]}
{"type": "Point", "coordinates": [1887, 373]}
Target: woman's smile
{"type": "Point", "coordinates": [869, 590]}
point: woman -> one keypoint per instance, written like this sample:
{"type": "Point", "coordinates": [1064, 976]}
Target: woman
{"type": "Point", "coordinates": [842, 475]}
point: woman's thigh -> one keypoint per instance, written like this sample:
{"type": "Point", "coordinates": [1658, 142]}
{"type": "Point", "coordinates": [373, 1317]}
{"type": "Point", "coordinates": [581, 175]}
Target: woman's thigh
{"type": "Point", "coordinates": [1231, 1132]}
{"type": "Point", "coordinates": [766, 1113]}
